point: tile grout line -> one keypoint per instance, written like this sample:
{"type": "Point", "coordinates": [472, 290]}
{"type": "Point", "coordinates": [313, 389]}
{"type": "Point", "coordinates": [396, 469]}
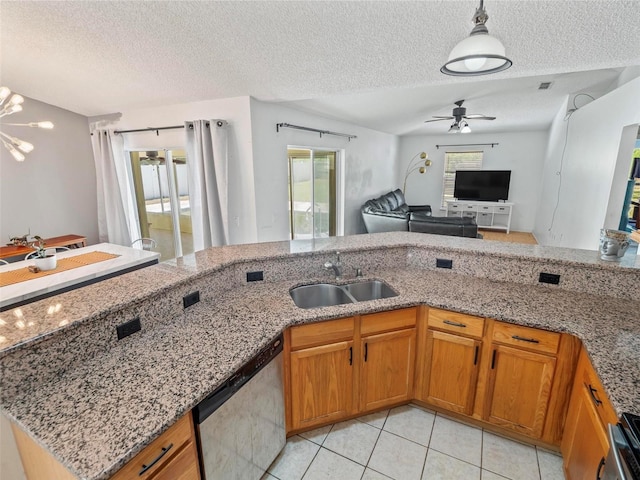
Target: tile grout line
{"type": "Point", "coordinates": [316, 454]}
{"type": "Point", "coordinates": [375, 444]}
{"type": "Point", "coordinates": [538, 463]}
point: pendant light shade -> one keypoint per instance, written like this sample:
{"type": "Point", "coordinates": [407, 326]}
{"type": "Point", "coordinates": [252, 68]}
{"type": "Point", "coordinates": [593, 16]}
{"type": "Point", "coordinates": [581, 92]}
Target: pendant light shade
{"type": "Point", "coordinates": [479, 53]}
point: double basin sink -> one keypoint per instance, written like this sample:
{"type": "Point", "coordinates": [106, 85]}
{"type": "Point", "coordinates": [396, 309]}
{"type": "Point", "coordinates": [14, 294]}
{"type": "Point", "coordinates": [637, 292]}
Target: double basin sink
{"type": "Point", "coordinates": [328, 294]}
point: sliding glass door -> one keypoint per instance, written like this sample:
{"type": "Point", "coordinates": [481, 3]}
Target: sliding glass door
{"type": "Point", "coordinates": [313, 182]}
{"type": "Point", "coordinates": [162, 196]}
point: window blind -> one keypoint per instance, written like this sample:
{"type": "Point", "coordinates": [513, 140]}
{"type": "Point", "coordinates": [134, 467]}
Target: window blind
{"type": "Point", "coordinates": [457, 161]}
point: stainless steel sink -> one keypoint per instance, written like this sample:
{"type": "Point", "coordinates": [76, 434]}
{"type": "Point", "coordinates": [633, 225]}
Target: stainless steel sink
{"type": "Point", "coordinates": [373, 290]}
{"type": "Point", "coordinates": [327, 294]}
{"type": "Point", "coordinates": [319, 295]}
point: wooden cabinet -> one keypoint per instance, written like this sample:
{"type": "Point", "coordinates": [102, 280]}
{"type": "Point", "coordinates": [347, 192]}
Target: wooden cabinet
{"type": "Point", "coordinates": [320, 381]}
{"type": "Point", "coordinates": [321, 384]}
{"type": "Point", "coordinates": [386, 373]}
{"type": "Point", "coordinates": [515, 377]}
{"type": "Point", "coordinates": [520, 379]}
{"type": "Point", "coordinates": [449, 360]}
{"type": "Point", "coordinates": [173, 455]}
{"type": "Point", "coordinates": [339, 368]}
{"type": "Point", "coordinates": [519, 389]}
{"type": "Point", "coordinates": [585, 443]}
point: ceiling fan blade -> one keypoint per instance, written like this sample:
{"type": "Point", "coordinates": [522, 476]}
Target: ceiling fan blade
{"type": "Point", "coordinates": [437, 119]}
{"type": "Point", "coordinates": [478, 116]}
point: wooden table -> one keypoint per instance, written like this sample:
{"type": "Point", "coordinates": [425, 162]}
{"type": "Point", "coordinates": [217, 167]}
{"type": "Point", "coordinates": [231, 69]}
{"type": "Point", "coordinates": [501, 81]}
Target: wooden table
{"type": "Point", "coordinates": [70, 241]}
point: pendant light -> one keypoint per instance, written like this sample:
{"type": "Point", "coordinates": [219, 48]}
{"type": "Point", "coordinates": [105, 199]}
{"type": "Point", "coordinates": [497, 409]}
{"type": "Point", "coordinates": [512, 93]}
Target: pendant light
{"type": "Point", "coordinates": [479, 53]}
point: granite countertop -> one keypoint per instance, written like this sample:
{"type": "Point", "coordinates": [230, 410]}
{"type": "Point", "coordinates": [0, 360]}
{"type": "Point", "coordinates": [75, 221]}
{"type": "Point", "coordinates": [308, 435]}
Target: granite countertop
{"type": "Point", "coordinates": [97, 416]}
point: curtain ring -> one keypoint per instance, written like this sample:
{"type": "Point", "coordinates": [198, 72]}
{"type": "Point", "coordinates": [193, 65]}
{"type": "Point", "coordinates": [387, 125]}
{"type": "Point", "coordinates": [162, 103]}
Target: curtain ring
{"type": "Point", "coordinates": [220, 123]}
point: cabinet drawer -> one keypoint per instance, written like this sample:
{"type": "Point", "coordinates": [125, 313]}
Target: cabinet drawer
{"type": "Point", "coordinates": [595, 391]}
{"type": "Point", "coordinates": [164, 447]}
{"type": "Point", "coordinates": [183, 466]}
{"type": "Point", "coordinates": [322, 332]}
{"type": "Point", "coordinates": [501, 209]}
{"type": "Point", "coordinates": [458, 323]}
{"type": "Point", "coordinates": [485, 209]}
{"type": "Point", "coordinates": [387, 321]}
{"type": "Point", "coordinates": [454, 206]}
{"type": "Point", "coordinates": [469, 207]}
{"type": "Point", "coordinates": [525, 337]}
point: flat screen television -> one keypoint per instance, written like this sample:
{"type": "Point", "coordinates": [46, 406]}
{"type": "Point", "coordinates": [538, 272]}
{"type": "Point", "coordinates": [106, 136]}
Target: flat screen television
{"type": "Point", "coordinates": [482, 185]}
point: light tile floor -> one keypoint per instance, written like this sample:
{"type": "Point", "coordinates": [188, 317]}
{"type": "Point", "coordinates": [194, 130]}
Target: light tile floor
{"type": "Point", "coordinates": [410, 443]}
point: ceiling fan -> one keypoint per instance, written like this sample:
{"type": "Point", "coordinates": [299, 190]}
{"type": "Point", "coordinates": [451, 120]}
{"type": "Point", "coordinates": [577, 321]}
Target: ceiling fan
{"type": "Point", "coordinates": [460, 117]}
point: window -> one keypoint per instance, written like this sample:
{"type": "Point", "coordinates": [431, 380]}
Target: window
{"type": "Point", "coordinates": [457, 161]}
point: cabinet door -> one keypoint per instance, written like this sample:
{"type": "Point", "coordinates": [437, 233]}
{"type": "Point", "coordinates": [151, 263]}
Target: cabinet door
{"type": "Point", "coordinates": [518, 389]}
{"type": "Point", "coordinates": [585, 444]}
{"type": "Point", "coordinates": [451, 371]}
{"type": "Point", "coordinates": [387, 368]}
{"type": "Point", "coordinates": [321, 384]}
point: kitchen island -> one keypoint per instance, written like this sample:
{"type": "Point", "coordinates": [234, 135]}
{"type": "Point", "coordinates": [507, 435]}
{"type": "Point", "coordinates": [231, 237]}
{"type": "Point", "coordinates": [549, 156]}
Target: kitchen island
{"type": "Point", "coordinates": [125, 259]}
{"type": "Point", "coordinates": [94, 402]}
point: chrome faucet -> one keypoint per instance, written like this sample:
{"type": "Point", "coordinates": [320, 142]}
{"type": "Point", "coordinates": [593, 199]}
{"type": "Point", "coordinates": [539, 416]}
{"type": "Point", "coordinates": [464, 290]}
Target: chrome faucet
{"type": "Point", "coordinates": [337, 266]}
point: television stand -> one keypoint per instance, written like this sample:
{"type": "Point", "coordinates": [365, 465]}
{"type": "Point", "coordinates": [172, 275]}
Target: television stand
{"type": "Point", "coordinates": [489, 215]}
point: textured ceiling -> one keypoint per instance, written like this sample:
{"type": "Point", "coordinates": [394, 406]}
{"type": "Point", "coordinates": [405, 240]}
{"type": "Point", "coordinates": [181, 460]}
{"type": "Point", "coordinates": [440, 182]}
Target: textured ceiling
{"type": "Point", "coordinates": [375, 63]}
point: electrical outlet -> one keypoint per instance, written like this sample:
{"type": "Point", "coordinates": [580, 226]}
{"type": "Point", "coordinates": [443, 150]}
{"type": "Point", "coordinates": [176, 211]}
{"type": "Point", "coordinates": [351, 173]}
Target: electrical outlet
{"type": "Point", "coordinates": [191, 299]}
{"type": "Point", "coordinates": [125, 329]}
{"type": "Point", "coordinates": [255, 276]}
{"type": "Point", "coordinates": [551, 278]}
{"type": "Point", "coordinates": [444, 263]}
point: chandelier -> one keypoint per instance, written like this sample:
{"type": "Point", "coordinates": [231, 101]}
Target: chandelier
{"type": "Point", "coordinates": [17, 148]}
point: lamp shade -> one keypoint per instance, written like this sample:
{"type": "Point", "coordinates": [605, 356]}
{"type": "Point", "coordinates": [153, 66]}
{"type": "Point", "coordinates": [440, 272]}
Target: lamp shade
{"type": "Point", "coordinates": [478, 54]}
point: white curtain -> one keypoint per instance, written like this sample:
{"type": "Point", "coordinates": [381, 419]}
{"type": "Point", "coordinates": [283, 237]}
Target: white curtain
{"type": "Point", "coordinates": [117, 209]}
{"type": "Point", "coordinates": [207, 154]}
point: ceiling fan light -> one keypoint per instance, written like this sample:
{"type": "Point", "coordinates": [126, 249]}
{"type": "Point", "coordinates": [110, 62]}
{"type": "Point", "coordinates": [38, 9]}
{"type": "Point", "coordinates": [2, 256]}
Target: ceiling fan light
{"type": "Point", "coordinates": [455, 128]}
{"type": "Point", "coordinates": [465, 128]}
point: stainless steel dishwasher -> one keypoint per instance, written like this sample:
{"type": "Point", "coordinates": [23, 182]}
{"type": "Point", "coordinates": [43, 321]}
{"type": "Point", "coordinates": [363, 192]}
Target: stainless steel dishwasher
{"type": "Point", "coordinates": [240, 426]}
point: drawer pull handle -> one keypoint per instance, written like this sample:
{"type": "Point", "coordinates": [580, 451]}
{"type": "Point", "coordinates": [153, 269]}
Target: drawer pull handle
{"type": "Point", "coordinates": [454, 324]}
{"type": "Point", "coordinates": [593, 392]}
{"type": "Point", "coordinates": [366, 351]}
{"type": "Point", "coordinates": [475, 356]}
{"type": "Point", "coordinates": [525, 339]}
{"type": "Point", "coordinates": [600, 465]}
{"type": "Point", "coordinates": [145, 468]}
{"type": "Point", "coordinates": [493, 360]}
{"type": "Point", "coordinates": [350, 355]}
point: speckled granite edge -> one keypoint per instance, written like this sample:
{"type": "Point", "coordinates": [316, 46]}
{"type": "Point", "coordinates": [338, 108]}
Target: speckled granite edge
{"type": "Point", "coordinates": [496, 260]}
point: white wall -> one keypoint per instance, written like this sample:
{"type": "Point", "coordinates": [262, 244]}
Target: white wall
{"type": "Point", "coordinates": [369, 164]}
{"type": "Point", "coordinates": [591, 187]}
{"type": "Point", "coordinates": [53, 192]}
{"type": "Point", "coordinates": [521, 152]}
{"type": "Point", "coordinates": [236, 112]}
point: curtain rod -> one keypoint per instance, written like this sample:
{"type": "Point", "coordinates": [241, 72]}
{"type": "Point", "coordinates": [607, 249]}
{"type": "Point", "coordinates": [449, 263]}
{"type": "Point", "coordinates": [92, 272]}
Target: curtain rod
{"type": "Point", "coordinates": [157, 129]}
{"type": "Point", "coordinates": [321, 132]}
{"type": "Point", "coordinates": [148, 129]}
{"type": "Point", "coordinates": [467, 145]}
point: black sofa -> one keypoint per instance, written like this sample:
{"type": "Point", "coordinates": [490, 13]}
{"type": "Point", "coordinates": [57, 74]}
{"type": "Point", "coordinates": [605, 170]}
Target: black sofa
{"type": "Point", "coordinates": [390, 213]}
{"type": "Point", "coordinates": [459, 227]}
